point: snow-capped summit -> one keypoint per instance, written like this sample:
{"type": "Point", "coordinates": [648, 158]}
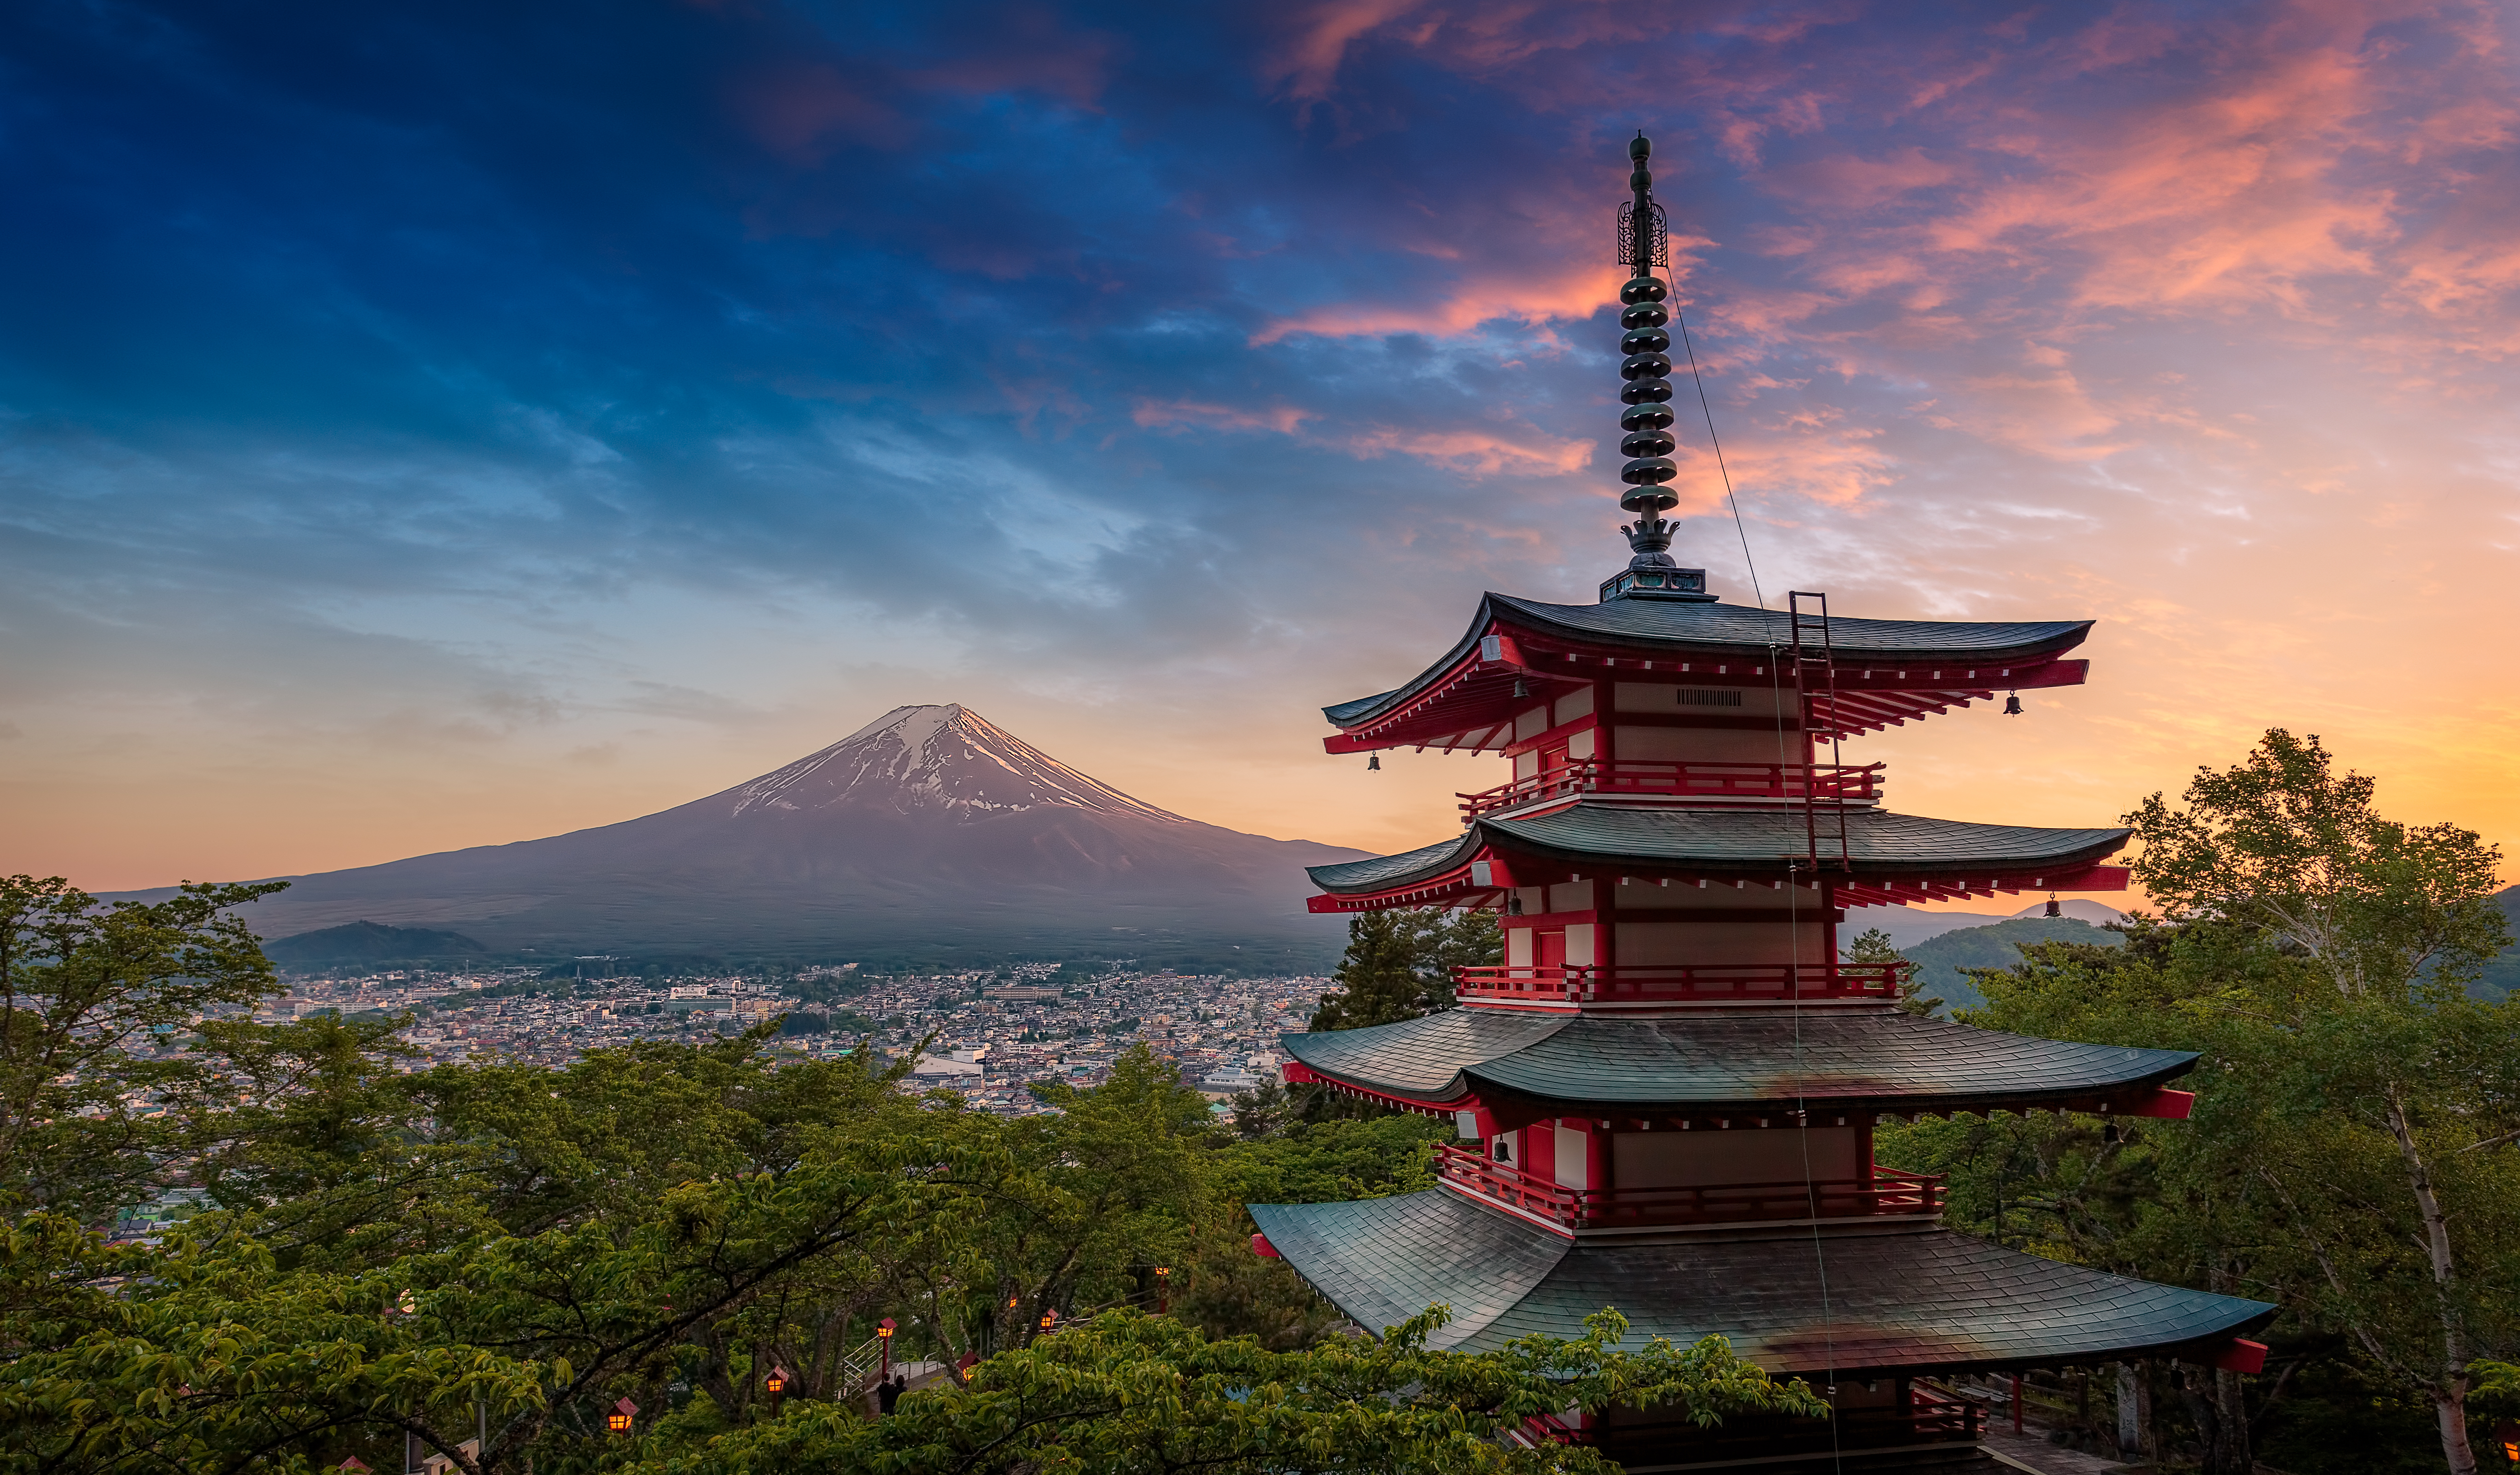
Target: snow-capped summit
{"type": "Point", "coordinates": [947, 757]}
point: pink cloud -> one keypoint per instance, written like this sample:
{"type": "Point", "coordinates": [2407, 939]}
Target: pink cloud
{"type": "Point", "coordinates": [1161, 414]}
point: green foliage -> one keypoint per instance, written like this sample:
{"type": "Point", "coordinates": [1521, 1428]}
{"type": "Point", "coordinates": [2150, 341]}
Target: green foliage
{"type": "Point", "coordinates": [2352, 1155]}
{"type": "Point", "coordinates": [1126, 1393]}
{"type": "Point", "coordinates": [1399, 964]}
{"type": "Point", "coordinates": [86, 1113]}
{"type": "Point", "coordinates": [1872, 946]}
{"type": "Point", "coordinates": [395, 1255]}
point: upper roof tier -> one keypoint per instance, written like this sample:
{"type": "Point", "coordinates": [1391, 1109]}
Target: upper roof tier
{"type": "Point", "coordinates": [1886, 670]}
{"type": "Point", "coordinates": [1889, 857]}
{"type": "Point", "coordinates": [1895, 1298]}
{"type": "Point", "coordinates": [1873, 1059]}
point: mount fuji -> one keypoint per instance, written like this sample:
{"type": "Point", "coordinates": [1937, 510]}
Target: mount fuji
{"type": "Point", "coordinates": [928, 835]}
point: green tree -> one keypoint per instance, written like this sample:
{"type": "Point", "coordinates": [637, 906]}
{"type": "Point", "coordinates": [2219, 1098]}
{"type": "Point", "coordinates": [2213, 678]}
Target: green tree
{"type": "Point", "coordinates": [1126, 1394]}
{"type": "Point", "coordinates": [2398, 1095]}
{"type": "Point", "coordinates": [92, 1001]}
{"type": "Point", "coordinates": [1872, 946]}
{"type": "Point", "coordinates": [1399, 964]}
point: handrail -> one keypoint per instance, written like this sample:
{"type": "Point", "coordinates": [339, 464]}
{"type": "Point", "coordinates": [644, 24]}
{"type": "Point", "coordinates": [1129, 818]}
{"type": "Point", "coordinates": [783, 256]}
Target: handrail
{"type": "Point", "coordinates": [1839, 783]}
{"type": "Point", "coordinates": [1581, 983]}
{"type": "Point", "coordinates": [1885, 1191]}
{"type": "Point", "coordinates": [860, 1363]}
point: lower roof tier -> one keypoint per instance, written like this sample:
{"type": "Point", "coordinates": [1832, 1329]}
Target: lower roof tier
{"type": "Point", "coordinates": [1595, 836]}
{"type": "Point", "coordinates": [1849, 1299]}
{"type": "Point", "coordinates": [1523, 1067]}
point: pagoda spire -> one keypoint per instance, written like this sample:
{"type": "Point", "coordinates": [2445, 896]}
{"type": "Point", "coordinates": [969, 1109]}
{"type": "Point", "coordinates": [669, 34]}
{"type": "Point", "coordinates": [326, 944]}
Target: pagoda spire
{"type": "Point", "coordinates": [1644, 392]}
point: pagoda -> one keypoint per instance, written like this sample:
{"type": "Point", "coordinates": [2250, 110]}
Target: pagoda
{"type": "Point", "coordinates": [1665, 1095]}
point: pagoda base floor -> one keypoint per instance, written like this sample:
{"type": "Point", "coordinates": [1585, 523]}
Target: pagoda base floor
{"type": "Point", "coordinates": [1834, 1303]}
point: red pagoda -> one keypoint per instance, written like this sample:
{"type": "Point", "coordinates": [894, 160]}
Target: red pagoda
{"type": "Point", "coordinates": [1666, 1093]}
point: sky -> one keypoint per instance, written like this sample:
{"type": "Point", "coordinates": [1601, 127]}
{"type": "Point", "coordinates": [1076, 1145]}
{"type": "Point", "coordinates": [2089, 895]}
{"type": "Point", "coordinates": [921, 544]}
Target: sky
{"type": "Point", "coordinates": [424, 425]}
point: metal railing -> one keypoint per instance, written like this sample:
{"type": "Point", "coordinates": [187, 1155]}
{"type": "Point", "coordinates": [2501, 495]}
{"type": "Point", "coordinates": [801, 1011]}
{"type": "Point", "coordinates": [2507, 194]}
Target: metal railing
{"type": "Point", "coordinates": [1523, 982]}
{"type": "Point", "coordinates": [1819, 783]}
{"type": "Point", "coordinates": [1884, 1192]}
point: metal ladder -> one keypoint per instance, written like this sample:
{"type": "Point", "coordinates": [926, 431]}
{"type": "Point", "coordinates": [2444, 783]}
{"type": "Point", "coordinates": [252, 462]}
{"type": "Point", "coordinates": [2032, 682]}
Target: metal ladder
{"type": "Point", "coordinates": [1816, 687]}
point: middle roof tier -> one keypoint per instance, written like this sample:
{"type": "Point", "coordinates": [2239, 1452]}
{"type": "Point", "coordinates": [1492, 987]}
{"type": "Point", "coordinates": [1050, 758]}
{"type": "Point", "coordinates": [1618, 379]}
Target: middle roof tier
{"type": "Point", "coordinates": [1882, 857]}
{"type": "Point", "coordinates": [1528, 1067]}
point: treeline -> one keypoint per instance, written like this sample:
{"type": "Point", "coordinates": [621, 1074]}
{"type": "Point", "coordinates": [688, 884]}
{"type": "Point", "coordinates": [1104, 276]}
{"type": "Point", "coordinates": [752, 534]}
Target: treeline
{"type": "Point", "coordinates": [495, 1263]}
{"type": "Point", "coordinates": [2354, 1153]}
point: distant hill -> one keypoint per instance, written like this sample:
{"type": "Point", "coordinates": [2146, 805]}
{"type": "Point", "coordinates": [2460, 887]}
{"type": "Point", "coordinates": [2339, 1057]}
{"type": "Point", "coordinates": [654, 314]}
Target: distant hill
{"type": "Point", "coordinates": [1942, 951]}
{"type": "Point", "coordinates": [1939, 960]}
{"type": "Point", "coordinates": [2502, 977]}
{"type": "Point", "coordinates": [1906, 928]}
{"type": "Point", "coordinates": [929, 836]}
{"type": "Point", "coordinates": [370, 943]}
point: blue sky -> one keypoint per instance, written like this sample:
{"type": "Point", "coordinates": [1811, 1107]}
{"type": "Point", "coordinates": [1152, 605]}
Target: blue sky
{"type": "Point", "coordinates": [437, 424]}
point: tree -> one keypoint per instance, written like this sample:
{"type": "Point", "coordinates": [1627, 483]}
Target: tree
{"type": "Point", "coordinates": [1399, 964]}
{"type": "Point", "coordinates": [1872, 946]}
{"type": "Point", "coordinates": [94, 1003]}
{"type": "Point", "coordinates": [2378, 1047]}
{"type": "Point", "coordinates": [1125, 1394]}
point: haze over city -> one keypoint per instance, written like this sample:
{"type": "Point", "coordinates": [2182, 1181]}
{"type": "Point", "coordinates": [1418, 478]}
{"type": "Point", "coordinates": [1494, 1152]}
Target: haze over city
{"type": "Point", "coordinates": [388, 474]}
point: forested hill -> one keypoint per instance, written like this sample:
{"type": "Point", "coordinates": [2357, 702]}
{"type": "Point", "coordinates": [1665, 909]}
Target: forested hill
{"type": "Point", "coordinates": [1939, 959]}
{"type": "Point", "coordinates": [2502, 975]}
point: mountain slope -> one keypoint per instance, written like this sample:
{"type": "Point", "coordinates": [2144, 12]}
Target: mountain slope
{"type": "Point", "coordinates": [1906, 928]}
{"type": "Point", "coordinates": [1939, 959]}
{"type": "Point", "coordinates": [369, 942]}
{"type": "Point", "coordinates": [927, 835]}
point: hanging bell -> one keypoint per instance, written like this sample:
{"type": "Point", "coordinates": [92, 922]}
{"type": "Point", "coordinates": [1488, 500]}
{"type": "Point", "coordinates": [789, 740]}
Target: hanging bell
{"type": "Point", "coordinates": [1374, 763]}
{"type": "Point", "coordinates": [2012, 704]}
{"type": "Point", "coordinates": [1519, 689]}
{"type": "Point", "coordinates": [2054, 909]}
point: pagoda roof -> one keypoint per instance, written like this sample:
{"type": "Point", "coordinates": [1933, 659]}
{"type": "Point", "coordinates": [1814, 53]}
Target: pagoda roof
{"type": "Point", "coordinates": [1895, 1298]}
{"type": "Point", "coordinates": [1672, 629]}
{"type": "Point", "coordinates": [1734, 841]}
{"type": "Point", "coordinates": [1833, 1059]}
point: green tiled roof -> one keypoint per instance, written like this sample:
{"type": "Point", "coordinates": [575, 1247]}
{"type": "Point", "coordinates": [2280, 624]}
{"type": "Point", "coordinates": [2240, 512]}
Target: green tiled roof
{"type": "Point", "coordinates": [1837, 1058]}
{"type": "Point", "coordinates": [1878, 843]}
{"type": "Point", "coordinates": [1892, 1298]}
{"type": "Point", "coordinates": [1676, 627]}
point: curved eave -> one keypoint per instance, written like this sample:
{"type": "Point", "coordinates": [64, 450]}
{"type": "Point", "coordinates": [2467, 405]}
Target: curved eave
{"type": "Point", "coordinates": [1526, 1067]}
{"type": "Point", "coordinates": [1968, 661]}
{"type": "Point", "coordinates": [1850, 1300]}
{"type": "Point", "coordinates": [1883, 849]}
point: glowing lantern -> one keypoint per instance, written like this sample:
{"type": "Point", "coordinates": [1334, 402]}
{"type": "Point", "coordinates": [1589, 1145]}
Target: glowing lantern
{"type": "Point", "coordinates": [777, 1382]}
{"type": "Point", "coordinates": [620, 1419]}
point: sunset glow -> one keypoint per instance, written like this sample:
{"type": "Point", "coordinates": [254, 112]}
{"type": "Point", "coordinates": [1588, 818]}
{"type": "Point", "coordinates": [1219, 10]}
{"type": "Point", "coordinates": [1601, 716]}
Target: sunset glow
{"type": "Point", "coordinates": [420, 431]}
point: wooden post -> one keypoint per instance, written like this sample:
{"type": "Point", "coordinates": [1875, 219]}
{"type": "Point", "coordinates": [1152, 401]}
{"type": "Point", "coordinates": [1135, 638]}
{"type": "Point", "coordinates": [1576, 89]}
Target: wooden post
{"type": "Point", "coordinates": [2017, 1403]}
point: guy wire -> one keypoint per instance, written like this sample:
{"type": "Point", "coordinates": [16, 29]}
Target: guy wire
{"type": "Point", "coordinates": [1682, 319]}
{"type": "Point", "coordinates": [1795, 1012]}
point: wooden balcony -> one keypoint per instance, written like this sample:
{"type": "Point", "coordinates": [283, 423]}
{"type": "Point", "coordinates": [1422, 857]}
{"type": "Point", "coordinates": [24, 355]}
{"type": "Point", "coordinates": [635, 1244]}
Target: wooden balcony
{"type": "Point", "coordinates": [1825, 783]}
{"type": "Point", "coordinates": [1698, 982]}
{"type": "Point", "coordinates": [1884, 1192]}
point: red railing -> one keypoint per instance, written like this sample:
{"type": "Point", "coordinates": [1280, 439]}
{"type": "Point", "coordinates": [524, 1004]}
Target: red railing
{"type": "Point", "coordinates": [1832, 783]}
{"type": "Point", "coordinates": [1511, 983]}
{"type": "Point", "coordinates": [1939, 1411]}
{"type": "Point", "coordinates": [1884, 1192]}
